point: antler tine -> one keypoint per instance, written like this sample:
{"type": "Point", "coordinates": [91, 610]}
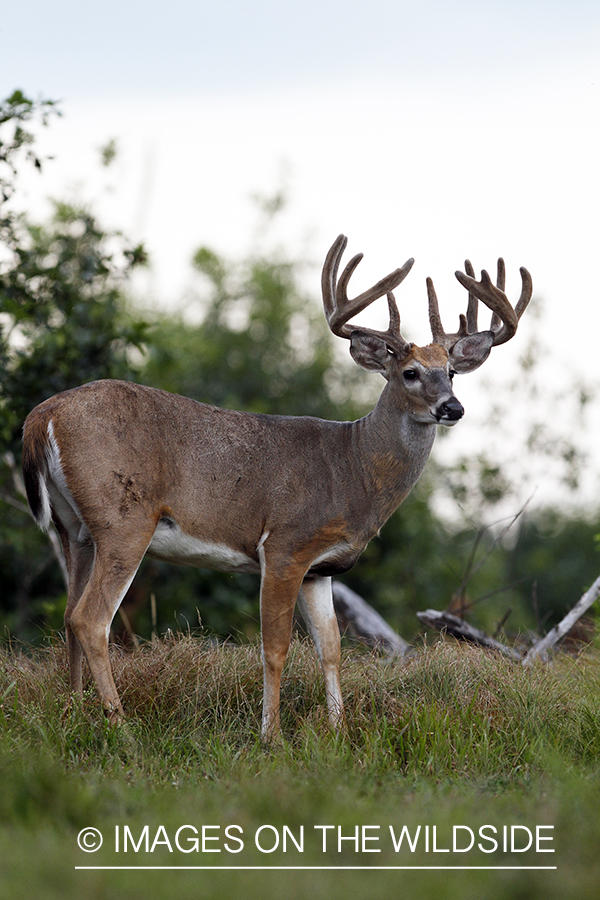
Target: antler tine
{"type": "Point", "coordinates": [329, 274]}
{"type": "Point", "coordinates": [339, 309]}
{"type": "Point", "coordinates": [505, 319]}
{"type": "Point", "coordinates": [435, 320]}
{"type": "Point", "coordinates": [501, 285]}
{"type": "Point", "coordinates": [501, 276]}
{"type": "Point", "coordinates": [394, 326]}
{"type": "Point", "coordinates": [526, 292]}
{"type": "Point", "coordinates": [473, 303]}
{"type": "Point", "coordinates": [348, 308]}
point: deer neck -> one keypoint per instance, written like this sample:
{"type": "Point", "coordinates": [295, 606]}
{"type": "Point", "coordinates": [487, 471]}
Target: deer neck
{"type": "Point", "coordinates": [393, 449]}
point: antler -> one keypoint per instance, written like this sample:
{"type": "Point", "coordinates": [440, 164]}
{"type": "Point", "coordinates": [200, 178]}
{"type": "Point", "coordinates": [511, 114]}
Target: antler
{"type": "Point", "coordinates": [505, 319]}
{"type": "Point", "coordinates": [339, 309]}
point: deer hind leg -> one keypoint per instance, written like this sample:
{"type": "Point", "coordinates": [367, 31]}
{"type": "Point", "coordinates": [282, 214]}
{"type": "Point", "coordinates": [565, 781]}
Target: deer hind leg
{"type": "Point", "coordinates": [113, 570]}
{"type": "Point", "coordinates": [278, 595]}
{"type": "Point", "coordinates": [316, 605]}
{"type": "Point", "coordinates": [79, 557]}
{"type": "Point", "coordinates": [80, 561]}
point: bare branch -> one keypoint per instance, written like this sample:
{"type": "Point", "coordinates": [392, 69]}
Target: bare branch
{"type": "Point", "coordinates": [446, 622]}
{"type": "Point", "coordinates": [540, 648]}
{"type": "Point", "coordinates": [361, 622]}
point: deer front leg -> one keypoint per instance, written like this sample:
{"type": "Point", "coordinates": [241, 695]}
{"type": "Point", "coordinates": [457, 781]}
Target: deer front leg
{"type": "Point", "coordinates": [316, 605]}
{"type": "Point", "coordinates": [278, 594]}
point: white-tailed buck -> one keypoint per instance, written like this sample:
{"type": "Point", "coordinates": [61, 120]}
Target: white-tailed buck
{"type": "Point", "coordinates": [123, 470]}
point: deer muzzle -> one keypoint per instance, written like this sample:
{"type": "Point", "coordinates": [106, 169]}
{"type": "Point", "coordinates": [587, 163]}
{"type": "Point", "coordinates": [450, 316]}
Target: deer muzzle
{"type": "Point", "coordinates": [450, 411]}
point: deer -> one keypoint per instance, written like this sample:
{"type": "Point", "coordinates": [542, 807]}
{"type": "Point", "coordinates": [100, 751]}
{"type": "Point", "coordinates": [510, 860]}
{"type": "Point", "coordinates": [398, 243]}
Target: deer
{"type": "Point", "coordinates": [122, 470]}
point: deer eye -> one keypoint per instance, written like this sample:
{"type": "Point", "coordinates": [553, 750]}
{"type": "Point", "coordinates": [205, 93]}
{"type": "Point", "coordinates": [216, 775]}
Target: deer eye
{"type": "Point", "coordinates": [452, 373]}
{"type": "Point", "coordinates": [410, 374]}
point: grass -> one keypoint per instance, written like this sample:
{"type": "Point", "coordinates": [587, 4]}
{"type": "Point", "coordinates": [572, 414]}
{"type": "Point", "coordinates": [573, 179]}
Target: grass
{"type": "Point", "coordinates": [454, 737]}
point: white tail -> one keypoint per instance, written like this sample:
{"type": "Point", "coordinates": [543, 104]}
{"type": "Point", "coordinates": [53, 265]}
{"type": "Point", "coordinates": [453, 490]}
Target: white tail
{"type": "Point", "coordinates": [125, 470]}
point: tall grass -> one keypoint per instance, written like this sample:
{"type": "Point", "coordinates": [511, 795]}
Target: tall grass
{"type": "Point", "coordinates": [451, 711]}
{"type": "Point", "coordinates": [452, 735]}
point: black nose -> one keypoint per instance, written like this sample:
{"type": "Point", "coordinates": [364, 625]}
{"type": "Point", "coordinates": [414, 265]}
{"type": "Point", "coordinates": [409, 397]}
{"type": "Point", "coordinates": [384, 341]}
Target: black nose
{"type": "Point", "coordinates": [451, 409]}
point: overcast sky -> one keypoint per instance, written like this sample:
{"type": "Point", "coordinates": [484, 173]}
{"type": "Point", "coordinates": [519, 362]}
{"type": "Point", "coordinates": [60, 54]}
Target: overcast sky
{"type": "Point", "coordinates": [435, 129]}
{"type": "Point", "coordinates": [82, 50]}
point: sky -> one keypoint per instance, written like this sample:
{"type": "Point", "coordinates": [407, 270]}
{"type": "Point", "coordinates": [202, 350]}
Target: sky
{"type": "Point", "coordinates": [440, 130]}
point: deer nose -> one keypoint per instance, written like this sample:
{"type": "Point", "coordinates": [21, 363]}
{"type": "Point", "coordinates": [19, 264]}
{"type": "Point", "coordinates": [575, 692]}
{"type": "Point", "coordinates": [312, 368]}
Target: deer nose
{"type": "Point", "coordinates": [451, 409]}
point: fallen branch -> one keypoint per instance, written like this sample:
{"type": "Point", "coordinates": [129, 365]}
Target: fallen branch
{"type": "Point", "coordinates": [540, 648]}
{"type": "Point", "coordinates": [361, 622]}
{"type": "Point", "coordinates": [445, 621]}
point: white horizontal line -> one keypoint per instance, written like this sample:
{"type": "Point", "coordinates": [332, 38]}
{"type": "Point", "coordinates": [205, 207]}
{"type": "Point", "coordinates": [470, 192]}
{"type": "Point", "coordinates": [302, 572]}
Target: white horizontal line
{"type": "Point", "coordinates": [328, 868]}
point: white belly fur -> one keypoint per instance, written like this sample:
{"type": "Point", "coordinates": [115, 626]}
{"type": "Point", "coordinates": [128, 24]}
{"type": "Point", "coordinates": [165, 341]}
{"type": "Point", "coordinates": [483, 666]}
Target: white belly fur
{"type": "Point", "coordinates": [332, 553]}
{"type": "Point", "coordinates": [174, 545]}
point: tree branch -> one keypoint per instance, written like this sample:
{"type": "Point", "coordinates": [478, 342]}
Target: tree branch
{"type": "Point", "coordinates": [360, 621]}
{"type": "Point", "coordinates": [445, 621]}
{"type": "Point", "coordinates": [540, 648]}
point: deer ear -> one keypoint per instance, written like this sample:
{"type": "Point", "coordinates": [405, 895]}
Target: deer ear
{"type": "Point", "coordinates": [470, 352]}
{"type": "Point", "coordinates": [370, 352]}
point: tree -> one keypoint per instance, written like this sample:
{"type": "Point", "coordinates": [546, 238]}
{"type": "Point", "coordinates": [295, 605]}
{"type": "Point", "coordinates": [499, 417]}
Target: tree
{"type": "Point", "coordinates": [63, 321]}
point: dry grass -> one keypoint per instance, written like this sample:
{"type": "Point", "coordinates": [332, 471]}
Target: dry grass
{"type": "Point", "coordinates": [452, 710]}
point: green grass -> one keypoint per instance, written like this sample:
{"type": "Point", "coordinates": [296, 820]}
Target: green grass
{"type": "Point", "coordinates": [454, 737]}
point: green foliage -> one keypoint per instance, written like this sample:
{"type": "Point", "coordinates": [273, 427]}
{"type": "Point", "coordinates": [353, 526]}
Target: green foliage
{"type": "Point", "coordinates": [542, 434]}
{"type": "Point", "coordinates": [16, 111]}
{"type": "Point", "coordinates": [558, 555]}
{"type": "Point", "coordinates": [63, 321]}
{"type": "Point", "coordinates": [262, 345]}
{"type": "Point", "coordinates": [63, 313]}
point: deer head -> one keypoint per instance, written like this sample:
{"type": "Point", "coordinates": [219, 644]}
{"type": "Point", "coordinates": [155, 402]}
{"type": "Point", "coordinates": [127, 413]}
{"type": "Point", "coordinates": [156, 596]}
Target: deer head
{"type": "Point", "coordinates": [421, 377]}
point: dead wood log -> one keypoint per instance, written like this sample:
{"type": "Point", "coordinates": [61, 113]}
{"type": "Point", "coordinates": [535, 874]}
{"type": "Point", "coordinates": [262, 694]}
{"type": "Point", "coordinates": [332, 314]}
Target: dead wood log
{"type": "Point", "coordinates": [540, 648]}
{"type": "Point", "coordinates": [361, 622]}
{"type": "Point", "coordinates": [445, 621]}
